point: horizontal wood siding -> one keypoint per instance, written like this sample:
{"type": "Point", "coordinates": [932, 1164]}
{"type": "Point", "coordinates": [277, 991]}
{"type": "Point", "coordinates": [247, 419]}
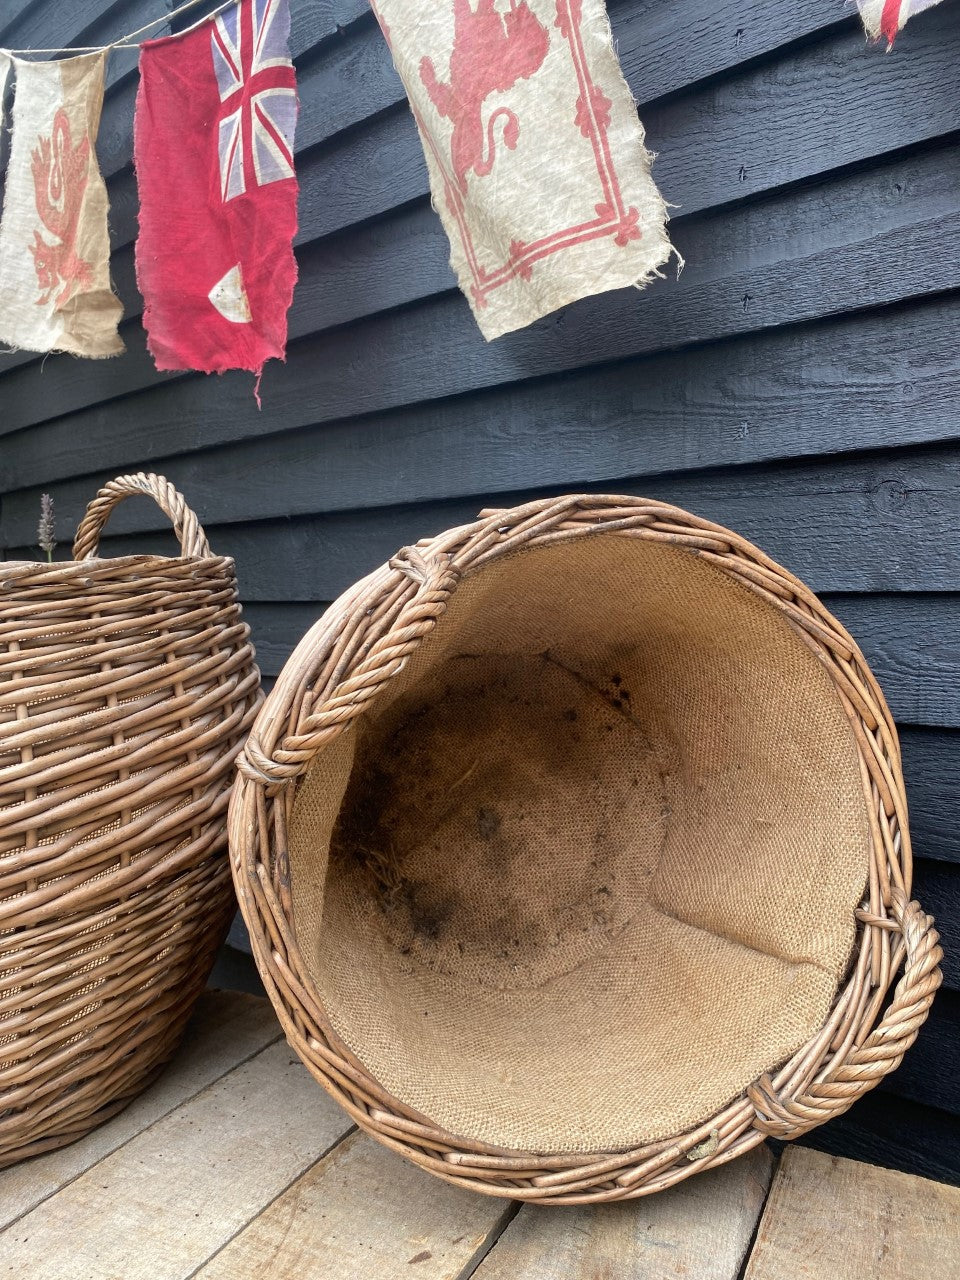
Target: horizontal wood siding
{"type": "Point", "coordinates": [799, 382]}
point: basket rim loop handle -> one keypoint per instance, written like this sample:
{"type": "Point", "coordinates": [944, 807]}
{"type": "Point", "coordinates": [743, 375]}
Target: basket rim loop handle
{"type": "Point", "coordinates": [190, 534]}
{"type": "Point", "coordinates": [431, 578]}
{"type": "Point", "coordinates": [835, 1089]}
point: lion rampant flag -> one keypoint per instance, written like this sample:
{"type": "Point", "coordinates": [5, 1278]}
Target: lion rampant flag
{"type": "Point", "coordinates": [536, 156]}
{"type": "Point", "coordinates": [213, 148]}
{"type": "Point", "coordinates": [55, 290]}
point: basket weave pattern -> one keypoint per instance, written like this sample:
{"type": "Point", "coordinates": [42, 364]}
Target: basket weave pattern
{"type": "Point", "coordinates": [364, 642]}
{"type": "Point", "coordinates": [126, 686]}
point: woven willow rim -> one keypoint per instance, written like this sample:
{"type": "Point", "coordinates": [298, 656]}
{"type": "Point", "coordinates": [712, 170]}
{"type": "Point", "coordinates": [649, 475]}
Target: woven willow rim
{"type": "Point", "coordinates": [363, 641]}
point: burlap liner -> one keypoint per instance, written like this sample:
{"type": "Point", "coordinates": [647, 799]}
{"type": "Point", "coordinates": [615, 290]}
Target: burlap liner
{"type": "Point", "coordinates": [588, 866]}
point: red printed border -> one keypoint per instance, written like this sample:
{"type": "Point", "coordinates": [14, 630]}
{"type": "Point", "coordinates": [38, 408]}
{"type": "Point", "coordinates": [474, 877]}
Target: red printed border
{"type": "Point", "coordinates": [593, 107]}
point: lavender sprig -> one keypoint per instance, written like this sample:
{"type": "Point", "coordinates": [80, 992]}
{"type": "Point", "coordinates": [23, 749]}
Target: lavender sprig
{"type": "Point", "coordinates": [45, 530]}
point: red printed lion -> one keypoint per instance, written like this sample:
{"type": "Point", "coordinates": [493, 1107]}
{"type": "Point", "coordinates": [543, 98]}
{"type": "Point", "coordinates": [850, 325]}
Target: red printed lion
{"type": "Point", "coordinates": [59, 181]}
{"type": "Point", "coordinates": [491, 52]}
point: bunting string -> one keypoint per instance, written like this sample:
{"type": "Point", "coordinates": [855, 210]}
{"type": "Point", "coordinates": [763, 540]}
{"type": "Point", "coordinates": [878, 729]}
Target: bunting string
{"type": "Point", "coordinates": [129, 41]}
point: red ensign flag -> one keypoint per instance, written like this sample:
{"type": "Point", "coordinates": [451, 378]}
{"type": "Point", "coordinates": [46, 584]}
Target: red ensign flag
{"type": "Point", "coordinates": [213, 146]}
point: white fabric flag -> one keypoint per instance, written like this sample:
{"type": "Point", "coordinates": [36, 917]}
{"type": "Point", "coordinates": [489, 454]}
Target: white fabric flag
{"type": "Point", "coordinates": [55, 290]}
{"type": "Point", "coordinates": [884, 18]}
{"type": "Point", "coordinates": [536, 157]}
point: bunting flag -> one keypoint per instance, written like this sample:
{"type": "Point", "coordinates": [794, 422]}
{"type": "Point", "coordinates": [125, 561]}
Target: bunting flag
{"type": "Point", "coordinates": [55, 290]}
{"type": "Point", "coordinates": [884, 18]}
{"type": "Point", "coordinates": [536, 155]}
{"type": "Point", "coordinates": [213, 148]}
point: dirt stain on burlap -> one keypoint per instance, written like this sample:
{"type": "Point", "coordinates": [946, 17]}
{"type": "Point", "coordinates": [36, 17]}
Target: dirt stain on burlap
{"type": "Point", "coordinates": [488, 821]}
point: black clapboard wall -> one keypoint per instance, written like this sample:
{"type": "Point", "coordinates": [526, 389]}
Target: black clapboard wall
{"type": "Point", "coordinates": [800, 382]}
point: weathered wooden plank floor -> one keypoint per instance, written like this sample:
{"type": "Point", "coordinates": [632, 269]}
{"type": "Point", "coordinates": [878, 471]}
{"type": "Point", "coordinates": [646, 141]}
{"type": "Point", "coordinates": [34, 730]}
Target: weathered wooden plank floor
{"type": "Point", "coordinates": [236, 1166]}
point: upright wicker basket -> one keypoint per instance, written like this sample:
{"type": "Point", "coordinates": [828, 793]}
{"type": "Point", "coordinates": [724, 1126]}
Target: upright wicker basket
{"type": "Point", "coordinates": [126, 688]}
{"type": "Point", "coordinates": [573, 849]}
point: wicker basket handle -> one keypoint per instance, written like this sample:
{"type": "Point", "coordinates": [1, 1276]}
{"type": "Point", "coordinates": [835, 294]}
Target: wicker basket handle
{"type": "Point", "coordinates": [193, 541]}
{"type": "Point", "coordinates": [272, 757]}
{"type": "Point", "coordinates": [913, 994]}
{"type": "Point", "coordinates": [864, 1065]}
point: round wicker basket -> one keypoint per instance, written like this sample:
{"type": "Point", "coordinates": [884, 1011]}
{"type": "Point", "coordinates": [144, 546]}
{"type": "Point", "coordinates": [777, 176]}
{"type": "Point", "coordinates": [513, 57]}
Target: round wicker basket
{"type": "Point", "coordinates": [573, 849]}
{"type": "Point", "coordinates": [126, 687]}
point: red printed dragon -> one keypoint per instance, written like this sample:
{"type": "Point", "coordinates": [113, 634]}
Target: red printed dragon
{"type": "Point", "coordinates": [59, 180]}
{"type": "Point", "coordinates": [491, 52]}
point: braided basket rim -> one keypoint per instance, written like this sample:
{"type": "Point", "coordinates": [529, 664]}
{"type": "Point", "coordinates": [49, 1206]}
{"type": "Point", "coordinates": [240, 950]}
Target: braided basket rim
{"type": "Point", "coordinates": [55, 567]}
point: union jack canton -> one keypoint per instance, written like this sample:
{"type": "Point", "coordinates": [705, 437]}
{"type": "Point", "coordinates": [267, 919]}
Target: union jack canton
{"type": "Point", "coordinates": [257, 93]}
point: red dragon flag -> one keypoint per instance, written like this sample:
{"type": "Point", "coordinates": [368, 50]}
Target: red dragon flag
{"type": "Point", "coordinates": [536, 156]}
{"type": "Point", "coordinates": [213, 147]}
{"type": "Point", "coordinates": [884, 18]}
{"type": "Point", "coordinates": [55, 290]}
